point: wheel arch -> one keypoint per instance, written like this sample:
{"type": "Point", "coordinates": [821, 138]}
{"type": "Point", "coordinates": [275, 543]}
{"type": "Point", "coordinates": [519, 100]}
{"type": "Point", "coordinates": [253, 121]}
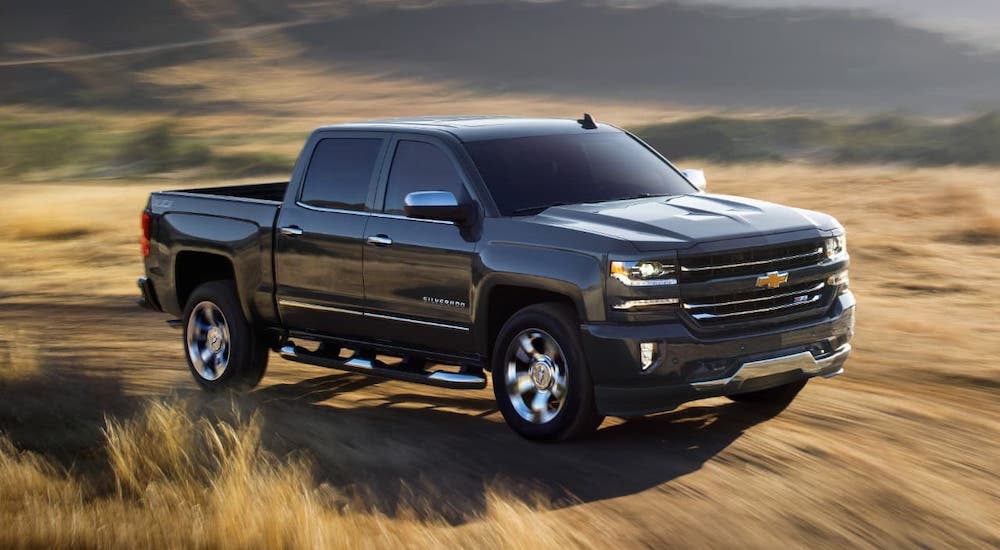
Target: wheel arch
{"type": "Point", "coordinates": [502, 300]}
{"type": "Point", "coordinates": [515, 275]}
{"type": "Point", "coordinates": [193, 268]}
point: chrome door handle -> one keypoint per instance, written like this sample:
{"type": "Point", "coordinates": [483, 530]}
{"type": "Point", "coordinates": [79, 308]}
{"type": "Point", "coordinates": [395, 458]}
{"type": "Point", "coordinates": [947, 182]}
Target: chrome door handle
{"type": "Point", "coordinates": [379, 240]}
{"type": "Point", "coordinates": [292, 231]}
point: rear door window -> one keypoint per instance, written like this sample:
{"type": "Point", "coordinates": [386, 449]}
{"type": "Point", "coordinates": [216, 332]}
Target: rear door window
{"type": "Point", "coordinates": [419, 166]}
{"type": "Point", "coordinates": [340, 173]}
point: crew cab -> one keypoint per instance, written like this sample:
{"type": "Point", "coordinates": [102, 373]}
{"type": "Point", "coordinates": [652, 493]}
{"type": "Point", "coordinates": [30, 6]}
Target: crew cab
{"type": "Point", "coordinates": [567, 261]}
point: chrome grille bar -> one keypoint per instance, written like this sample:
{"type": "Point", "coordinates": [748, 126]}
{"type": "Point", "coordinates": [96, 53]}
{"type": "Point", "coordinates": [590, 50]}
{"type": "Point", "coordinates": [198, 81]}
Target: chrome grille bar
{"type": "Point", "coordinates": [816, 288]}
{"type": "Point", "coordinates": [817, 252]}
{"type": "Point", "coordinates": [703, 316]}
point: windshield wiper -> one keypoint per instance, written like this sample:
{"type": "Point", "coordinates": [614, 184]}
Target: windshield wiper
{"type": "Point", "coordinates": [535, 209]}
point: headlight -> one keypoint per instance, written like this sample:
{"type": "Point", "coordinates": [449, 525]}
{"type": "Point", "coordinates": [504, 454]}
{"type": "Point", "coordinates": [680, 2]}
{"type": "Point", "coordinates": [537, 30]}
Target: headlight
{"type": "Point", "coordinates": [644, 273]}
{"type": "Point", "coordinates": [836, 247]}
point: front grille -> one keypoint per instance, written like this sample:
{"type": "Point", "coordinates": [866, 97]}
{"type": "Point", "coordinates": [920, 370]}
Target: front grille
{"type": "Point", "coordinates": [751, 261]}
{"type": "Point", "coordinates": [753, 304]}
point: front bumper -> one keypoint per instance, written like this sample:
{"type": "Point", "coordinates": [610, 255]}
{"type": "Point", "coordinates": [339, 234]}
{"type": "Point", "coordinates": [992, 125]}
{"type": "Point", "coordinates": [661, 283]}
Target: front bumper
{"type": "Point", "coordinates": [756, 375]}
{"type": "Point", "coordinates": [692, 367]}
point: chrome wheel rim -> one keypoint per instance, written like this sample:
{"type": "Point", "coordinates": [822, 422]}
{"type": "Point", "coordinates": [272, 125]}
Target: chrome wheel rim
{"type": "Point", "coordinates": [208, 340]}
{"type": "Point", "coordinates": [536, 376]}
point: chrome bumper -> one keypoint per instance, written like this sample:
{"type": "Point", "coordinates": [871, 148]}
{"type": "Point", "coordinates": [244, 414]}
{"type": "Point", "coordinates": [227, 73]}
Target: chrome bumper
{"type": "Point", "coordinates": [798, 363]}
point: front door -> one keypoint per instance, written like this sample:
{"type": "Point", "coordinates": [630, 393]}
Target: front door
{"type": "Point", "coordinates": [319, 241]}
{"type": "Point", "coordinates": [418, 273]}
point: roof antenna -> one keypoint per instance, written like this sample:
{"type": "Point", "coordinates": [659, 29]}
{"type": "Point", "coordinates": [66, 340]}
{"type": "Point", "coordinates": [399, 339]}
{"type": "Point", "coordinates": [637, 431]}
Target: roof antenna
{"type": "Point", "coordinates": [587, 122]}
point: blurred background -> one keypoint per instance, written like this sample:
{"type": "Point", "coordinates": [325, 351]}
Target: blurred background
{"type": "Point", "coordinates": [884, 113]}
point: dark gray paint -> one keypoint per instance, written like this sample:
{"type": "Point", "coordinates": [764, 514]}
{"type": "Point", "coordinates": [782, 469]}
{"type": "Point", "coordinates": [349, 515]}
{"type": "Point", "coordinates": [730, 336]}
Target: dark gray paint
{"type": "Point", "coordinates": [563, 250]}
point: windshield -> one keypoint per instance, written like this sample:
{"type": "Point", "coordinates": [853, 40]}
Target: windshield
{"type": "Point", "coordinates": [526, 175]}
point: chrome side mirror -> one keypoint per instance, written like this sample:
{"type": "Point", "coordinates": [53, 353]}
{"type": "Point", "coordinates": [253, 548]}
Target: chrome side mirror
{"type": "Point", "coordinates": [436, 205]}
{"type": "Point", "coordinates": [696, 177]}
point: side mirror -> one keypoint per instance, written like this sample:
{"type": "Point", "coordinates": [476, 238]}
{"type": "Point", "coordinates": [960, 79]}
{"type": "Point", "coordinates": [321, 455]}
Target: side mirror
{"type": "Point", "coordinates": [436, 205]}
{"type": "Point", "coordinates": [696, 177]}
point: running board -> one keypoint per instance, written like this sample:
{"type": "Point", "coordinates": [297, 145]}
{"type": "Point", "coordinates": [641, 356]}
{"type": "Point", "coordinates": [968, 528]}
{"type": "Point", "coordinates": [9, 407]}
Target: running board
{"type": "Point", "coordinates": [364, 365]}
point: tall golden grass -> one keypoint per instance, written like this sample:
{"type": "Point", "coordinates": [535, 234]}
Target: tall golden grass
{"type": "Point", "coordinates": [178, 481]}
{"type": "Point", "coordinates": [191, 483]}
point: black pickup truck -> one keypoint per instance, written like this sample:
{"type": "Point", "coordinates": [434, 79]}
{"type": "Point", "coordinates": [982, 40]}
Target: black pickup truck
{"type": "Point", "coordinates": [567, 258]}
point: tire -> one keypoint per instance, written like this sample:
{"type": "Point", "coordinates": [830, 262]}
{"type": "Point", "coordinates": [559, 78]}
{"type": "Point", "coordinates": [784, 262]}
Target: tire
{"type": "Point", "coordinates": [772, 399]}
{"type": "Point", "coordinates": [222, 348]}
{"type": "Point", "coordinates": [555, 367]}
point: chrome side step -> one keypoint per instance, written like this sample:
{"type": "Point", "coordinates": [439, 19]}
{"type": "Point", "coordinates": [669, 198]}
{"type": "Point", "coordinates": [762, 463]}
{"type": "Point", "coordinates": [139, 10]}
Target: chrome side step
{"type": "Point", "coordinates": [365, 365]}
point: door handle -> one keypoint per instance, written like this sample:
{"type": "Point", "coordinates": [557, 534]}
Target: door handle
{"type": "Point", "coordinates": [292, 231]}
{"type": "Point", "coordinates": [379, 240]}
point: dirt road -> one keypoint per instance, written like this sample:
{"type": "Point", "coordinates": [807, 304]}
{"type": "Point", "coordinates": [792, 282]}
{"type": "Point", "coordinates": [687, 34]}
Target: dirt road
{"type": "Point", "coordinates": [900, 451]}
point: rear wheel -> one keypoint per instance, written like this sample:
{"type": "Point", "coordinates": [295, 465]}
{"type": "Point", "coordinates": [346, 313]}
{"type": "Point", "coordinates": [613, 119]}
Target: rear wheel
{"type": "Point", "coordinates": [771, 399]}
{"type": "Point", "coordinates": [222, 347]}
{"type": "Point", "coordinates": [540, 378]}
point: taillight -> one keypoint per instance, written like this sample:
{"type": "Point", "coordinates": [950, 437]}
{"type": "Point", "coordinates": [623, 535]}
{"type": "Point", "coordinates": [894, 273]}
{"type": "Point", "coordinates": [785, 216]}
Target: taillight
{"type": "Point", "coordinates": [144, 242]}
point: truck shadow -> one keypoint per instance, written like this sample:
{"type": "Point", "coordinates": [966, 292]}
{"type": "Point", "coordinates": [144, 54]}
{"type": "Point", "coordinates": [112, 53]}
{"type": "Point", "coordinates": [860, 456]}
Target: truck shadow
{"type": "Point", "coordinates": [389, 447]}
{"type": "Point", "coordinates": [442, 455]}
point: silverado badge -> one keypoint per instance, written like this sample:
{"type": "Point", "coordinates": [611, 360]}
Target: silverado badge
{"type": "Point", "coordinates": [773, 279]}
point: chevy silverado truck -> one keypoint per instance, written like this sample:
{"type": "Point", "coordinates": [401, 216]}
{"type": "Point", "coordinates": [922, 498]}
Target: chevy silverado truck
{"type": "Point", "coordinates": [568, 259]}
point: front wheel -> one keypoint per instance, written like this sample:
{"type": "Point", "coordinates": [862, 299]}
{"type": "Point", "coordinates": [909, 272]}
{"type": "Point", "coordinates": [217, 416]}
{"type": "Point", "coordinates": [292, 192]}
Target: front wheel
{"type": "Point", "coordinates": [540, 377]}
{"type": "Point", "coordinates": [222, 347]}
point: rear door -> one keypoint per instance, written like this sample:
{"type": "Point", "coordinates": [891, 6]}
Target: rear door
{"type": "Point", "coordinates": [320, 231]}
{"type": "Point", "coordinates": [418, 273]}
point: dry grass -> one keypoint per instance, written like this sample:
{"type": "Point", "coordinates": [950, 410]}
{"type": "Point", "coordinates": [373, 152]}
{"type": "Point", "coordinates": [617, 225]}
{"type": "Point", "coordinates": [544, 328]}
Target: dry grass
{"type": "Point", "coordinates": [59, 236]}
{"type": "Point", "coordinates": [981, 222]}
{"type": "Point", "coordinates": [182, 482]}
{"type": "Point", "coordinates": [170, 479]}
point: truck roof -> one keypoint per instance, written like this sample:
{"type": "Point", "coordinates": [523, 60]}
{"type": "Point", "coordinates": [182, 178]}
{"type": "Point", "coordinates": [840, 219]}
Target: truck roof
{"type": "Point", "coordinates": [475, 127]}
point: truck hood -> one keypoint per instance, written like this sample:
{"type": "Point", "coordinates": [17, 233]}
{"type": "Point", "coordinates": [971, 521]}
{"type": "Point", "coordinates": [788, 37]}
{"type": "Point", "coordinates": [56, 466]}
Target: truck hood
{"type": "Point", "coordinates": [664, 223]}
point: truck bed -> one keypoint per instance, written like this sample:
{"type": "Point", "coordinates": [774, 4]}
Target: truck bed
{"type": "Point", "coordinates": [234, 222]}
{"type": "Point", "coordinates": [273, 192]}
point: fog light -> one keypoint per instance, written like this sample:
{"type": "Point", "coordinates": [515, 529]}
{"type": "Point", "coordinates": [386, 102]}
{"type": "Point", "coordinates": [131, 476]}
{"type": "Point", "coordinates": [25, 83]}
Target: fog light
{"type": "Point", "coordinates": [648, 354]}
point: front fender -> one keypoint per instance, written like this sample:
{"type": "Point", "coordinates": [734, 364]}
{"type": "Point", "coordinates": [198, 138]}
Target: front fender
{"type": "Point", "coordinates": [575, 275]}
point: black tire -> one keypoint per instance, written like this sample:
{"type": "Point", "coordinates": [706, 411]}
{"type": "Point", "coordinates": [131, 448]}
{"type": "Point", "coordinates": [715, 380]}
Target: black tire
{"type": "Point", "coordinates": [245, 353]}
{"type": "Point", "coordinates": [772, 399]}
{"type": "Point", "coordinates": [574, 413]}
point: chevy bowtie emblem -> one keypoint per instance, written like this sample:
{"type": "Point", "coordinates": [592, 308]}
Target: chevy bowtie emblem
{"type": "Point", "coordinates": [773, 279]}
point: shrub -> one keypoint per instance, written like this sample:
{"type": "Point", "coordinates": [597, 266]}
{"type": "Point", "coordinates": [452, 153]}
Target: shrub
{"type": "Point", "coordinates": [159, 148]}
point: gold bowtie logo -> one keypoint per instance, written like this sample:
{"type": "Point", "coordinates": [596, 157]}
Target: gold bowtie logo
{"type": "Point", "coordinates": [773, 279]}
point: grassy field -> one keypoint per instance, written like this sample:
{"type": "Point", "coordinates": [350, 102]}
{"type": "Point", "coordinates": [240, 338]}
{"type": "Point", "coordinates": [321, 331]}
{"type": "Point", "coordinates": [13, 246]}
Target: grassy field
{"type": "Point", "coordinates": [106, 442]}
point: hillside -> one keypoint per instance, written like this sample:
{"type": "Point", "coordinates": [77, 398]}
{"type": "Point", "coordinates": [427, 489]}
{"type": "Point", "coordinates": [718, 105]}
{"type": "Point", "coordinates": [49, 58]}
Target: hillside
{"type": "Point", "coordinates": [666, 54]}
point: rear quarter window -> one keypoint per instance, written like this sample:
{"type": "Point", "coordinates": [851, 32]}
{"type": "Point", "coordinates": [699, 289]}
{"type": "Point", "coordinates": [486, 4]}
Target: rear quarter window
{"type": "Point", "coordinates": [340, 173]}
